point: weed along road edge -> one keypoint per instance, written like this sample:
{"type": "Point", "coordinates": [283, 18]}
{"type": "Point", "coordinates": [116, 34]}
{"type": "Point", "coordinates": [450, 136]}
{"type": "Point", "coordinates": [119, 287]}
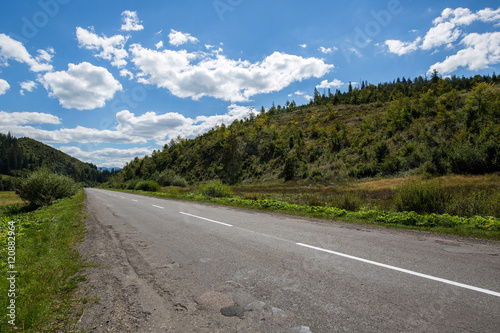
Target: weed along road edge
{"type": "Point", "coordinates": [164, 265]}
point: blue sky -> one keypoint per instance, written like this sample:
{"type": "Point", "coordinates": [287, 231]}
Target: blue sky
{"type": "Point", "coordinates": [106, 81]}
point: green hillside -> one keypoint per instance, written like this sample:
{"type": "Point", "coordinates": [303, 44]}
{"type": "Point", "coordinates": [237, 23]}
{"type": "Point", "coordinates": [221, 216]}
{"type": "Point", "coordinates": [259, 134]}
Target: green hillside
{"type": "Point", "coordinates": [19, 157]}
{"type": "Point", "coordinates": [433, 126]}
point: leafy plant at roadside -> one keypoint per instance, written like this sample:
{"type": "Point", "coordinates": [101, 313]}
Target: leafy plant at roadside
{"type": "Point", "coordinates": [216, 189]}
{"type": "Point", "coordinates": [43, 187]}
{"type": "Point", "coordinates": [147, 185]}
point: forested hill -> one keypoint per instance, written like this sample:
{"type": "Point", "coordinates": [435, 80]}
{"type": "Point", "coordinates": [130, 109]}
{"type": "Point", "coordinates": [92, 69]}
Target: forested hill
{"type": "Point", "coordinates": [433, 126]}
{"type": "Point", "coordinates": [21, 156]}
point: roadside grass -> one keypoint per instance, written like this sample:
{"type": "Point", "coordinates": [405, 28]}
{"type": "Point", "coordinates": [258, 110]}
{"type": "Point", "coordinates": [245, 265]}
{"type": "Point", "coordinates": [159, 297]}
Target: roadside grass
{"type": "Point", "coordinates": [47, 263]}
{"type": "Point", "coordinates": [373, 202]}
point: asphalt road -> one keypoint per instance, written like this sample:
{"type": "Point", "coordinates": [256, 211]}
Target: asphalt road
{"type": "Point", "coordinates": [304, 275]}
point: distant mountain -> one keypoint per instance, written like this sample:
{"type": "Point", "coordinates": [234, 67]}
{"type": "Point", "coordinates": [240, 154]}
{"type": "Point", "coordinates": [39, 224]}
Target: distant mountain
{"type": "Point", "coordinates": [20, 156]}
{"type": "Point", "coordinates": [109, 169]}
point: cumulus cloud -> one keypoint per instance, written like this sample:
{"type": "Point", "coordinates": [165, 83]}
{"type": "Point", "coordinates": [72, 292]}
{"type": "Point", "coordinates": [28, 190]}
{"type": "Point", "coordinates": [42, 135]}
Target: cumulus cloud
{"type": "Point", "coordinates": [446, 24]}
{"type": "Point", "coordinates": [127, 73]}
{"type": "Point", "coordinates": [328, 50]}
{"type": "Point", "coordinates": [400, 48]}
{"type": "Point", "coordinates": [478, 50]}
{"type": "Point", "coordinates": [107, 157]}
{"type": "Point", "coordinates": [159, 45]}
{"type": "Point", "coordinates": [83, 86]}
{"type": "Point", "coordinates": [178, 38]}
{"type": "Point", "coordinates": [150, 125]}
{"type": "Point", "coordinates": [4, 86]}
{"type": "Point", "coordinates": [199, 74]}
{"type": "Point", "coordinates": [481, 50]}
{"type": "Point", "coordinates": [131, 21]}
{"type": "Point", "coordinates": [13, 49]}
{"type": "Point", "coordinates": [489, 15]}
{"type": "Point", "coordinates": [111, 48]}
{"type": "Point", "coordinates": [130, 129]}
{"type": "Point", "coordinates": [24, 118]}
{"type": "Point", "coordinates": [447, 30]}
{"type": "Point", "coordinates": [27, 86]}
{"type": "Point", "coordinates": [327, 85]}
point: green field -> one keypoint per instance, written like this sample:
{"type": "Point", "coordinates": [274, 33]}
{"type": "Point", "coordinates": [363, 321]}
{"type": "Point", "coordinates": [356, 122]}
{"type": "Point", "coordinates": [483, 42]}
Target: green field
{"type": "Point", "coordinates": [48, 266]}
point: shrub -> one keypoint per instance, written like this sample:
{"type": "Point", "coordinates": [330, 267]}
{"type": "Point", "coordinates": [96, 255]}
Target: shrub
{"type": "Point", "coordinates": [290, 168]}
{"type": "Point", "coordinates": [42, 187]}
{"type": "Point", "coordinates": [170, 178]}
{"type": "Point", "coordinates": [426, 197]}
{"type": "Point", "coordinates": [131, 184]}
{"type": "Point", "coordinates": [363, 171]}
{"type": "Point", "coordinates": [216, 189]}
{"type": "Point", "coordinates": [147, 185]}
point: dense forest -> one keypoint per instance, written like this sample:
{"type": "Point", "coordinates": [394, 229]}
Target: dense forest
{"type": "Point", "coordinates": [21, 156]}
{"type": "Point", "coordinates": [426, 125]}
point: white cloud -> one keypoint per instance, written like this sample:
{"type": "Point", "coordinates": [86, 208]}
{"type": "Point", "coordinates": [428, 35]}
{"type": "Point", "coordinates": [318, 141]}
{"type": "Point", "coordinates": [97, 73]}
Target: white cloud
{"type": "Point", "coordinates": [111, 48]}
{"type": "Point", "coordinates": [127, 73]}
{"type": "Point", "coordinates": [13, 49]}
{"type": "Point", "coordinates": [400, 48]}
{"type": "Point", "coordinates": [303, 45]}
{"type": "Point", "coordinates": [27, 86]}
{"type": "Point", "coordinates": [65, 135]}
{"type": "Point", "coordinates": [150, 125]}
{"type": "Point", "coordinates": [24, 118]}
{"type": "Point", "coordinates": [447, 30]}
{"type": "Point", "coordinates": [178, 38]}
{"type": "Point", "coordinates": [107, 157]}
{"type": "Point", "coordinates": [83, 86]}
{"type": "Point", "coordinates": [327, 85]}
{"type": "Point", "coordinates": [4, 86]}
{"type": "Point", "coordinates": [159, 45]}
{"type": "Point", "coordinates": [131, 21]}
{"type": "Point", "coordinates": [481, 50]}
{"type": "Point", "coordinates": [328, 50]}
{"type": "Point", "coordinates": [130, 129]}
{"type": "Point", "coordinates": [201, 74]}
{"type": "Point", "coordinates": [489, 15]}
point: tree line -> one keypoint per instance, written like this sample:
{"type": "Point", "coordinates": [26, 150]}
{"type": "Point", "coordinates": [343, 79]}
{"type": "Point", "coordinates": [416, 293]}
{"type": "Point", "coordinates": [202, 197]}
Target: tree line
{"type": "Point", "coordinates": [435, 126]}
{"type": "Point", "coordinates": [19, 157]}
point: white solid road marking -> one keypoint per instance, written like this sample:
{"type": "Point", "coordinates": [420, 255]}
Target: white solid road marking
{"type": "Point", "coordinates": [209, 220]}
{"type": "Point", "coordinates": [430, 277]}
{"type": "Point", "coordinates": [158, 206]}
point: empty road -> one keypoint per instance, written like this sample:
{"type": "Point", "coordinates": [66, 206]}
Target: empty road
{"type": "Point", "coordinates": [280, 273]}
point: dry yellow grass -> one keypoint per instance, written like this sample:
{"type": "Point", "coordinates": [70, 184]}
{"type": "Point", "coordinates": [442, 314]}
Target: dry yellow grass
{"type": "Point", "coordinates": [9, 198]}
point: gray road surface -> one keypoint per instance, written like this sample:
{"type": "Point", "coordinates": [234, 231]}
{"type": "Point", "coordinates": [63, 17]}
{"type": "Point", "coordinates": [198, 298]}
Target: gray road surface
{"type": "Point", "coordinates": [317, 276]}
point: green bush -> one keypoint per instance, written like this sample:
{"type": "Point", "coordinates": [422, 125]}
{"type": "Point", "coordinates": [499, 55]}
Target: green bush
{"type": "Point", "coordinates": [421, 197]}
{"type": "Point", "coordinates": [42, 187]}
{"type": "Point", "coordinates": [147, 185]}
{"type": "Point", "coordinates": [169, 178]}
{"type": "Point", "coordinates": [216, 189]}
{"type": "Point", "coordinates": [131, 184]}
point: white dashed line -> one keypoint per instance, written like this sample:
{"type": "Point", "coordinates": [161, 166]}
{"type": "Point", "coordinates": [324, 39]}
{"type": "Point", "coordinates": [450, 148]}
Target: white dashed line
{"type": "Point", "coordinates": [158, 206]}
{"type": "Point", "coordinates": [430, 277]}
{"type": "Point", "coordinates": [209, 220]}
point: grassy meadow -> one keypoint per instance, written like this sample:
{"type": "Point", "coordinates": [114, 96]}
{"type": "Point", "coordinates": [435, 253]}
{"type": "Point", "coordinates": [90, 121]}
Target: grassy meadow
{"type": "Point", "coordinates": [48, 266]}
